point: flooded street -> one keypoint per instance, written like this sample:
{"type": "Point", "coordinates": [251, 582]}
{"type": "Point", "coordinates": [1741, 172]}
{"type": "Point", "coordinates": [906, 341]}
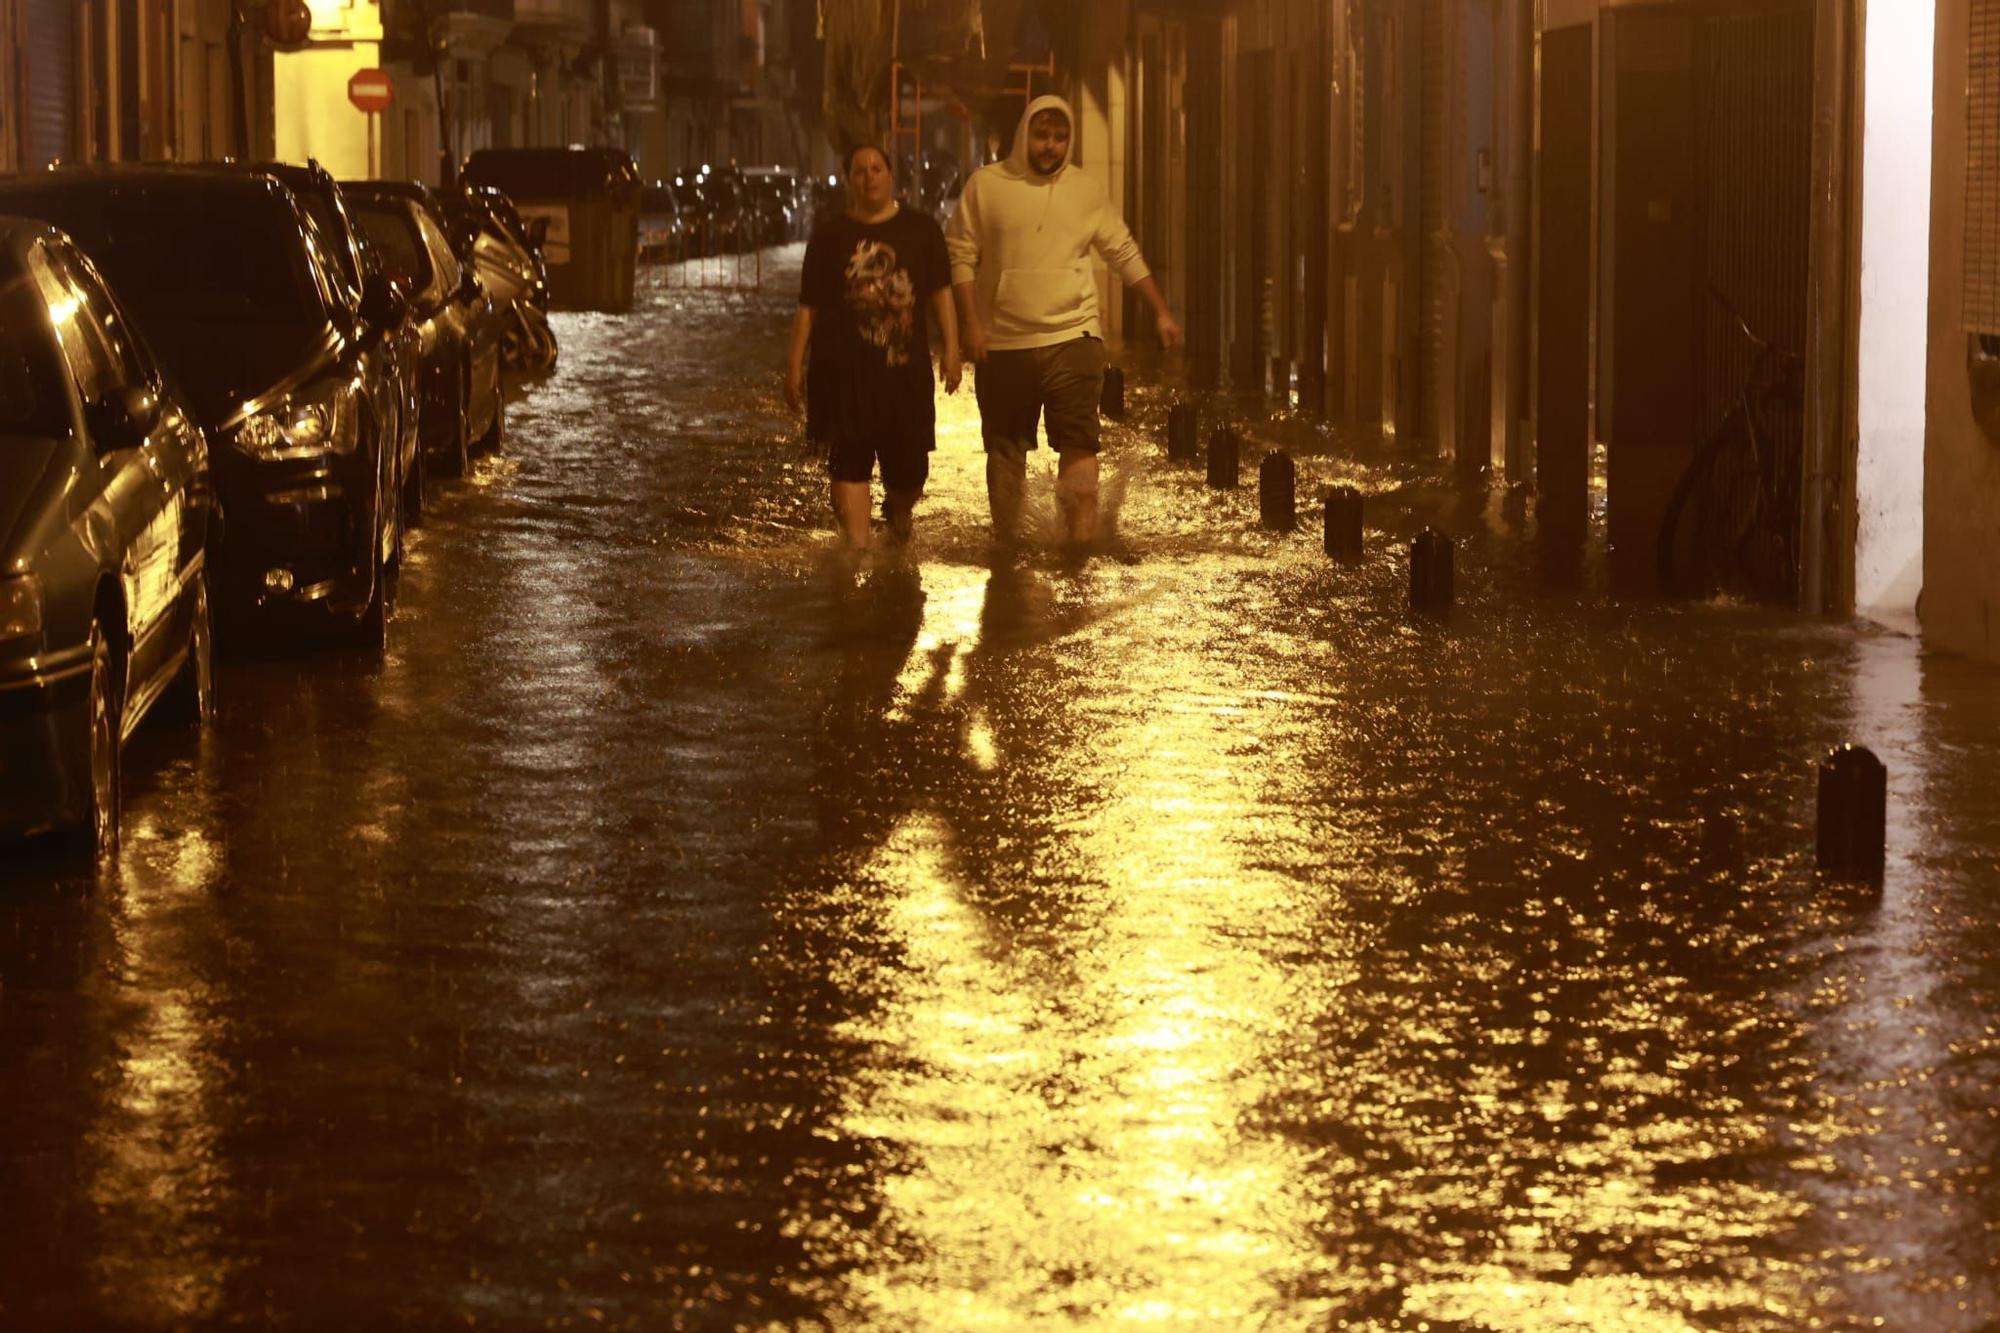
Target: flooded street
{"type": "Point", "coordinates": [674, 929]}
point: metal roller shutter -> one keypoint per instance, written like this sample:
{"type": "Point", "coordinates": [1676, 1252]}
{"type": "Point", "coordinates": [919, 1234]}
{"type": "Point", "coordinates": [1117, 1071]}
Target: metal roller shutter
{"type": "Point", "coordinates": [51, 79]}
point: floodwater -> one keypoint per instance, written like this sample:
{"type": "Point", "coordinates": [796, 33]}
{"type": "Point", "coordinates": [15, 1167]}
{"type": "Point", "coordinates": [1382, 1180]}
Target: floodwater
{"type": "Point", "coordinates": [675, 929]}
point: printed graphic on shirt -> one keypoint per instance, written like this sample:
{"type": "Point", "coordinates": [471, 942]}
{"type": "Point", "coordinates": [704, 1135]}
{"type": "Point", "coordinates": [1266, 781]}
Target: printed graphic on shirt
{"type": "Point", "coordinates": [882, 299]}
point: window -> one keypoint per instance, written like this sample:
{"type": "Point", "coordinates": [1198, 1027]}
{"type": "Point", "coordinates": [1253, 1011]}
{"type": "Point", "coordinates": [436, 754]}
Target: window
{"type": "Point", "coordinates": [33, 401]}
{"type": "Point", "coordinates": [443, 261]}
{"type": "Point", "coordinates": [94, 341]}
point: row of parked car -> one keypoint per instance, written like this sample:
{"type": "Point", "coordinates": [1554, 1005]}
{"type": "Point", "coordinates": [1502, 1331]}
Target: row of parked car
{"type": "Point", "coordinates": [224, 391]}
{"type": "Point", "coordinates": [729, 211]}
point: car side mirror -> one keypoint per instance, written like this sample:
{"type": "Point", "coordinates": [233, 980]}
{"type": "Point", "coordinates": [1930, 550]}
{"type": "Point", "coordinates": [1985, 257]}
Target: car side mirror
{"type": "Point", "coordinates": [382, 306]}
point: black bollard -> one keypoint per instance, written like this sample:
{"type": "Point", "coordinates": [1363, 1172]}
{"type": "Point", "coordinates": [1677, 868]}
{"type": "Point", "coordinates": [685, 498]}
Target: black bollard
{"type": "Point", "coordinates": [1343, 523]}
{"type": "Point", "coordinates": [1182, 427]}
{"type": "Point", "coordinates": [1225, 450]}
{"type": "Point", "coordinates": [1111, 402]}
{"type": "Point", "coordinates": [1721, 842]}
{"type": "Point", "coordinates": [1277, 492]}
{"type": "Point", "coordinates": [1853, 816]}
{"type": "Point", "coordinates": [1430, 571]}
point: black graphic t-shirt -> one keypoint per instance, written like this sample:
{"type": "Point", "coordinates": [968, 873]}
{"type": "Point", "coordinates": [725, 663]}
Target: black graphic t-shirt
{"type": "Point", "coordinates": [870, 287]}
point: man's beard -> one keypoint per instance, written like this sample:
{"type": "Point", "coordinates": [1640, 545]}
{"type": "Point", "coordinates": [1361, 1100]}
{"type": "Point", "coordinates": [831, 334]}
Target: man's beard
{"type": "Point", "coordinates": [1046, 164]}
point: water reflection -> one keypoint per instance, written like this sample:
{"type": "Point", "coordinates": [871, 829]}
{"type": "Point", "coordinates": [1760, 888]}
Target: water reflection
{"type": "Point", "coordinates": [664, 933]}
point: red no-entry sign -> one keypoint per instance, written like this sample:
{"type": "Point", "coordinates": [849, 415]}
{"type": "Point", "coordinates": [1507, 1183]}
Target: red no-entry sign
{"type": "Point", "coordinates": [370, 90]}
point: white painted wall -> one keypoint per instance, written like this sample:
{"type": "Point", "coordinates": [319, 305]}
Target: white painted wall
{"type": "Point", "coordinates": [1895, 296]}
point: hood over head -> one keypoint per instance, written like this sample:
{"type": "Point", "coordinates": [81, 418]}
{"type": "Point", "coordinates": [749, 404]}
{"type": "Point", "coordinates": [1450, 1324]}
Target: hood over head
{"type": "Point", "coordinates": [1017, 157]}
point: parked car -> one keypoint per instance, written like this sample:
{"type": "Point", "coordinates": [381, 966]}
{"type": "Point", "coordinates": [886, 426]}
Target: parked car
{"type": "Point", "coordinates": [776, 221]}
{"type": "Point", "coordinates": [228, 278]}
{"type": "Point", "coordinates": [316, 190]}
{"type": "Point", "coordinates": [489, 233]}
{"type": "Point", "coordinates": [461, 409]}
{"type": "Point", "coordinates": [586, 203]}
{"type": "Point", "coordinates": [789, 202]}
{"type": "Point", "coordinates": [662, 231]}
{"type": "Point", "coordinates": [829, 199]}
{"type": "Point", "coordinates": [708, 231]}
{"type": "Point", "coordinates": [106, 520]}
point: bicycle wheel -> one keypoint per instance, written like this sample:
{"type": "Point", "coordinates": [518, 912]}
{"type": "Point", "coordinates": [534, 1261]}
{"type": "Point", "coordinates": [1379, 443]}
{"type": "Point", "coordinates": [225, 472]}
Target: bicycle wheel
{"type": "Point", "coordinates": [1712, 514]}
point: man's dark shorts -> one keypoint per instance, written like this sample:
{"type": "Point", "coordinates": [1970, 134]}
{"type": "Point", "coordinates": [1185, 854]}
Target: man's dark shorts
{"type": "Point", "coordinates": [906, 464]}
{"type": "Point", "coordinates": [1060, 384]}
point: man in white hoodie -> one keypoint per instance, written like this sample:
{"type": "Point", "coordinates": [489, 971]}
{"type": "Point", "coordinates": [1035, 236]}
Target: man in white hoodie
{"type": "Point", "coordinates": [1020, 246]}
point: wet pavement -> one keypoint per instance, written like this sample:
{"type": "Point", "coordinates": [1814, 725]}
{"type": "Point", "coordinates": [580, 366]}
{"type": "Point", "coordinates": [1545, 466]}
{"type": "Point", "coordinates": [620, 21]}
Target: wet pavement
{"type": "Point", "coordinates": [672, 929]}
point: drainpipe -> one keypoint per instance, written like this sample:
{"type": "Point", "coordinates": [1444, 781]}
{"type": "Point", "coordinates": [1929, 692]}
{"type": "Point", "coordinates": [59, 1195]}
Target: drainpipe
{"type": "Point", "coordinates": [1826, 342]}
{"type": "Point", "coordinates": [238, 83]}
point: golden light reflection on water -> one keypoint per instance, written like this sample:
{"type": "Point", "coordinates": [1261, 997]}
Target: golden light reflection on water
{"type": "Point", "coordinates": [155, 1170]}
{"type": "Point", "coordinates": [1193, 1085]}
{"type": "Point", "coordinates": [1075, 1105]}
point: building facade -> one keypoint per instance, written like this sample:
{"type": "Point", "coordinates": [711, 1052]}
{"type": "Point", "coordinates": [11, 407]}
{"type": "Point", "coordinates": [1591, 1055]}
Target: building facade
{"type": "Point", "coordinates": [1553, 241]}
{"type": "Point", "coordinates": [128, 80]}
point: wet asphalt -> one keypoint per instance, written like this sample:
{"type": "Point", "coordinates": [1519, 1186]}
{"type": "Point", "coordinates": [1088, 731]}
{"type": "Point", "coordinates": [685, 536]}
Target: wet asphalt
{"type": "Point", "coordinates": [678, 928]}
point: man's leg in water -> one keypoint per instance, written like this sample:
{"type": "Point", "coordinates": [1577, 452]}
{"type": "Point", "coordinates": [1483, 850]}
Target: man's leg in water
{"type": "Point", "coordinates": [1076, 494]}
{"type": "Point", "coordinates": [1009, 407]}
{"type": "Point", "coordinates": [1006, 479]}
{"type": "Point", "coordinates": [1072, 382]}
{"type": "Point", "coordinates": [850, 511]}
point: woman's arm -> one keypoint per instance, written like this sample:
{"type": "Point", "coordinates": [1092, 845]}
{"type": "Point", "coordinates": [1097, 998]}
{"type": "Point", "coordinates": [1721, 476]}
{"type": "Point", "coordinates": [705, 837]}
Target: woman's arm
{"type": "Point", "coordinates": [795, 362]}
{"type": "Point", "coordinates": [947, 322]}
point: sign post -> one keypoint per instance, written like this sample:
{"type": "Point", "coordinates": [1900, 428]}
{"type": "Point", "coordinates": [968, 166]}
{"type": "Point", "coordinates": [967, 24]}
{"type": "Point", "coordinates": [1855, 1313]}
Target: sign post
{"type": "Point", "coordinates": [371, 92]}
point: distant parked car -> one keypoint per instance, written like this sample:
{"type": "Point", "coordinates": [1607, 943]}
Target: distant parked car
{"type": "Point", "coordinates": [106, 519]}
{"type": "Point", "coordinates": [790, 199]}
{"type": "Point", "coordinates": [229, 279]}
{"type": "Point", "coordinates": [706, 232]}
{"type": "Point", "coordinates": [462, 407]}
{"type": "Point", "coordinates": [586, 203]}
{"type": "Point", "coordinates": [829, 198]}
{"type": "Point", "coordinates": [662, 230]}
{"type": "Point", "coordinates": [490, 237]}
{"type": "Point", "coordinates": [776, 209]}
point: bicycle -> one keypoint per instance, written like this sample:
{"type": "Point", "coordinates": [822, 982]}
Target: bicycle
{"type": "Point", "coordinates": [1731, 524]}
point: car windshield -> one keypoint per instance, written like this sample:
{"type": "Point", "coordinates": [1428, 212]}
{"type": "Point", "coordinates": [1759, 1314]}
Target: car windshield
{"type": "Point", "coordinates": [33, 399]}
{"type": "Point", "coordinates": [393, 232]}
{"type": "Point", "coordinates": [324, 213]}
{"type": "Point", "coordinates": [219, 280]}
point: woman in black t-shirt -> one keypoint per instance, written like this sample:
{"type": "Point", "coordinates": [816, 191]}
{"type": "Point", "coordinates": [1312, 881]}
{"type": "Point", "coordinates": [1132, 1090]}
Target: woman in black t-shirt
{"type": "Point", "coordinates": [874, 279]}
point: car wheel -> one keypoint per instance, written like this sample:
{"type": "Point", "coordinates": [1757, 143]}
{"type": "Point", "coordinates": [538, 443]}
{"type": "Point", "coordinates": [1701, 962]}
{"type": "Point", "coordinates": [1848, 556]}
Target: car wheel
{"type": "Point", "coordinates": [544, 348]}
{"type": "Point", "coordinates": [496, 430]}
{"type": "Point", "coordinates": [106, 716]}
{"type": "Point", "coordinates": [192, 695]}
{"type": "Point", "coordinates": [413, 490]}
{"type": "Point", "coordinates": [371, 630]}
{"type": "Point", "coordinates": [458, 458]}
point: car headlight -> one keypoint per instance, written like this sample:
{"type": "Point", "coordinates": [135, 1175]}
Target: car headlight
{"type": "Point", "coordinates": [318, 419]}
{"type": "Point", "coordinates": [20, 606]}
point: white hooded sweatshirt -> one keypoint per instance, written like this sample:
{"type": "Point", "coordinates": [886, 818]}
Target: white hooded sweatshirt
{"type": "Point", "coordinates": [1024, 240]}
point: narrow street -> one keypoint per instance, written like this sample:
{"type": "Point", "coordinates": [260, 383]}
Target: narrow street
{"type": "Point", "coordinates": [672, 929]}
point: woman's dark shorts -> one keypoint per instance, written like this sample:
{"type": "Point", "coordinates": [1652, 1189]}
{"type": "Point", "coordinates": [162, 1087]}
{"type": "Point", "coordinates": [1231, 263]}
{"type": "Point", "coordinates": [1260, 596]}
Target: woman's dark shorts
{"type": "Point", "coordinates": [1059, 385]}
{"type": "Point", "coordinates": [906, 464]}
